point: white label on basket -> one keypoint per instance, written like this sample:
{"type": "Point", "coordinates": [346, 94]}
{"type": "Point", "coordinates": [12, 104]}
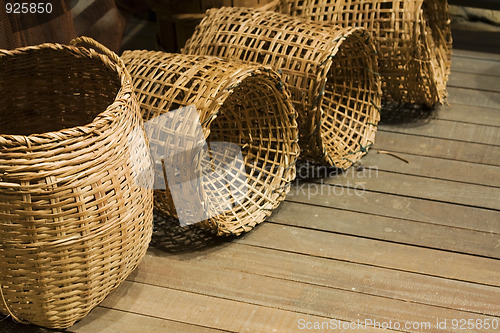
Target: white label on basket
{"type": "Point", "coordinates": [224, 177]}
{"type": "Point", "coordinates": [204, 180]}
{"type": "Point", "coordinates": [140, 159]}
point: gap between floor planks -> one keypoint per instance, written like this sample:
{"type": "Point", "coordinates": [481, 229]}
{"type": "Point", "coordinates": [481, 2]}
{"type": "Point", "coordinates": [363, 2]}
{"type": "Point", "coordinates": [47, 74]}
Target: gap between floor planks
{"type": "Point", "coordinates": [467, 114]}
{"type": "Point", "coordinates": [437, 147]}
{"type": "Point", "coordinates": [474, 97]}
{"type": "Point", "coordinates": [464, 64]}
{"type": "Point", "coordinates": [397, 206]}
{"type": "Point", "coordinates": [388, 229]}
{"type": "Point", "coordinates": [430, 167]}
{"type": "Point", "coordinates": [475, 55]}
{"type": "Point", "coordinates": [444, 129]}
{"type": "Point", "coordinates": [419, 187]}
{"type": "Point", "coordinates": [475, 81]}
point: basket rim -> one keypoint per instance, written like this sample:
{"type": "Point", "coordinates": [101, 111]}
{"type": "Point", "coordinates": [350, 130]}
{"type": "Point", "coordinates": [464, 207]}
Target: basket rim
{"type": "Point", "coordinates": [319, 111]}
{"type": "Point", "coordinates": [102, 119]}
{"type": "Point", "coordinates": [246, 71]}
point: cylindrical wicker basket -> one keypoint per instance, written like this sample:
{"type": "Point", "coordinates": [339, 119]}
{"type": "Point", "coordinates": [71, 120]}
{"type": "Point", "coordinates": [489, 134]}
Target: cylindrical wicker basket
{"type": "Point", "coordinates": [413, 38]}
{"type": "Point", "coordinates": [245, 105]}
{"type": "Point", "coordinates": [331, 73]}
{"type": "Point", "coordinates": [75, 216]}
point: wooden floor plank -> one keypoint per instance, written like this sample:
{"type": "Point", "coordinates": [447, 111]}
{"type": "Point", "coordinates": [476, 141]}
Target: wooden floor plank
{"type": "Point", "coordinates": [421, 187]}
{"type": "Point", "coordinates": [205, 310]}
{"type": "Point", "coordinates": [476, 54]}
{"type": "Point", "coordinates": [376, 253]}
{"type": "Point", "coordinates": [105, 320]}
{"type": "Point", "coordinates": [486, 42]}
{"type": "Point", "coordinates": [288, 295]}
{"type": "Point", "coordinates": [388, 229]}
{"type": "Point", "coordinates": [457, 131]}
{"type": "Point", "coordinates": [469, 114]}
{"type": "Point", "coordinates": [436, 147]}
{"type": "Point", "coordinates": [434, 168]}
{"type": "Point", "coordinates": [477, 81]}
{"type": "Point", "coordinates": [466, 96]}
{"type": "Point", "coordinates": [352, 277]}
{"type": "Point", "coordinates": [390, 205]}
{"type": "Point", "coordinates": [462, 64]}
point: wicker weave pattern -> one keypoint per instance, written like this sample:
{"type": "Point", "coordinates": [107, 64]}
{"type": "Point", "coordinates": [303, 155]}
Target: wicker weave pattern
{"type": "Point", "coordinates": [330, 72]}
{"type": "Point", "coordinates": [74, 222]}
{"type": "Point", "coordinates": [413, 39]}
{"type": "Point", "coordinates": [237, 103]}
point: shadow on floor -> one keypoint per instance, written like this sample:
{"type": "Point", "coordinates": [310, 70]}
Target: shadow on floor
{"type": "Point", "coordinates": [8, 325]}
{"type": "Point", "coordinates": [169, 236]}
{"type": "Point", "coordinates": [396, 113]}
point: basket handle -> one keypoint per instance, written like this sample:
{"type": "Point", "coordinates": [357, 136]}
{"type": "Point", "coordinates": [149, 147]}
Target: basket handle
{"type": "Point", "coordinates": [99, 47]}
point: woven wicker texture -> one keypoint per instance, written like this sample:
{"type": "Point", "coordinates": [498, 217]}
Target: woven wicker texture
{"type": "Point", "coordinates": [413, 39]}
{"type": "Point", "coordinates": [330, 72]}
{"type": "Point", "coordinates": [247, 106]}
{"type": "Point", "coordinates": [74, 218]}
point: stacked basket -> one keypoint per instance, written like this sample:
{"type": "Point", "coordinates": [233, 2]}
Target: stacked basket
{"type": "Point", "coordinates": [331, 72]}
{"type": "Point", "coordinates": [413, 39]}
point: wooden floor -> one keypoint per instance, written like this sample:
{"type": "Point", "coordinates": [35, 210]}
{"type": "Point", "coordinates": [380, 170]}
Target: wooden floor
{"type": "Point", "coordinates": [414, 243]}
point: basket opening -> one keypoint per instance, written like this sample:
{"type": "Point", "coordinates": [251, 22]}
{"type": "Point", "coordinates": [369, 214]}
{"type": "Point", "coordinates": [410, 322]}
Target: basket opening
{"type": "Point", "coordinates": [48, 90]}
{"type": "Point", "coordinates": [347, 105]}
{"type": "Point", "coordinates": [254, 119]}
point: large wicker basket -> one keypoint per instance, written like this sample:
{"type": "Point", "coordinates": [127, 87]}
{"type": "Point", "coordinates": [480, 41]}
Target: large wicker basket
{"type": "Point", "coordinates": [331, 73]}
{"type": "Point", "coordinates": [413, 39]}
{"type": "Point", "coordinates": [245, 105]}
{"type": "Point", "coordinates": [75, 214]}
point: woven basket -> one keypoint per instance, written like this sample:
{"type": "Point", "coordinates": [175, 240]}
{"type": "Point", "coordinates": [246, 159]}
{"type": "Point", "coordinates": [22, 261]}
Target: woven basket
{"type": "Point", "coordinates": [247, 106]}
{"type": "Point", "coordinates": [74, 220]}
{"type": "Point", "coordinates": [413, 38]}
{"type": "Point", "coordinates": [331, 73]}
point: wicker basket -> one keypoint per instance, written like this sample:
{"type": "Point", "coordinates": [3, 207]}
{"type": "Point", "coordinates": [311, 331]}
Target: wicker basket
{"type": "Point", "coordinates": [245, 105]}
{"type": "Point", "coordinates": [74, 220]}
{"type": "Point", "coordinates": [413, 39]}
{"type": "Point", "coordinates": [331, 73]}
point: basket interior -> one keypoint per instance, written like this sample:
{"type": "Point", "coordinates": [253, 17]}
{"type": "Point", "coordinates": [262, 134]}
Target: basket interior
{"type": "Point", "coordinates": [46, 90]}
{"type": "Point", "coordinates": [348, 102]}
{"type": "Point", "coordinates": [254, 119]}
